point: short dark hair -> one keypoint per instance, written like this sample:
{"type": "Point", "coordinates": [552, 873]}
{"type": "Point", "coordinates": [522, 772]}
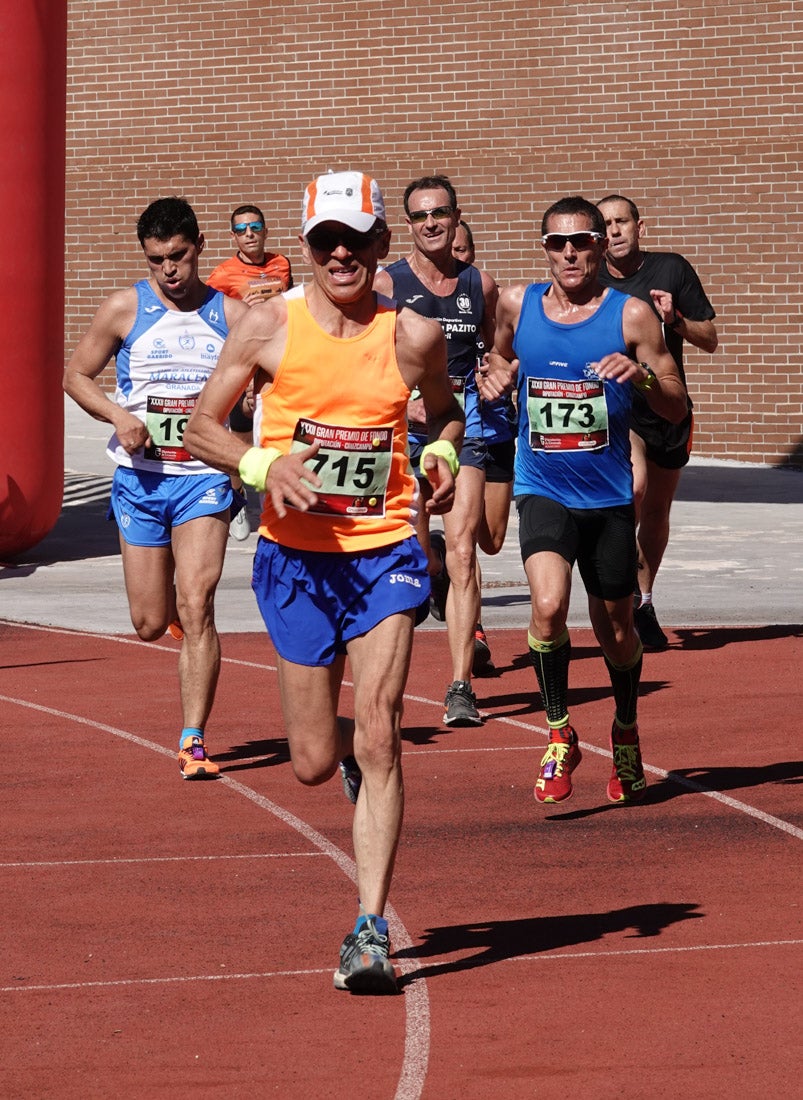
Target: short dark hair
{"type": "Point", "coordinates": [248, 209]}
{"type": "Point", "coordinates": [575, 204]}
{"type": "Point", "coordinates": [469, 234]}
{"type": "Point", "coordinates": [430, 183]}
{"type": "Point", "coordinates": [622, 198]}
{"type": "Point", "coordinates": [166, 218]}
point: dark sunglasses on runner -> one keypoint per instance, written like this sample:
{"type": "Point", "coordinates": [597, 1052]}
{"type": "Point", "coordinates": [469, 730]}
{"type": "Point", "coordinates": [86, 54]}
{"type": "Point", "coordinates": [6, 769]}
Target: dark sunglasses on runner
{"type": "Point", "coordinates": [327, 240]}
{"type": "Point", "coordinates": [440, 213]}
{"type": "Point", "coordinates": [580, 242]}
{"type": "Point", "coordinates": [241, 227]}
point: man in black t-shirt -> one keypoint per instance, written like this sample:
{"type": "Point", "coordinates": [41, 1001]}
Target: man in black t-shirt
{"type": "Point", "coordinates": [659, 450]}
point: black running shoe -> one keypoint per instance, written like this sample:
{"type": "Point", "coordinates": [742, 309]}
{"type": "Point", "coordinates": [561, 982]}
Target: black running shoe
{"type": "Point", "coordinates": [482, 653]}
{"type": "Point", "coordinates": [439, 583]}
{"type": "Point", "coordinates": [649, 629]}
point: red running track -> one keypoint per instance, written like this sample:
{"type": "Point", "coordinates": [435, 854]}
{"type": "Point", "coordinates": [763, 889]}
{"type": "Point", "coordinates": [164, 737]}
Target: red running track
{"type": "Point", "coordinates": [172, 939]}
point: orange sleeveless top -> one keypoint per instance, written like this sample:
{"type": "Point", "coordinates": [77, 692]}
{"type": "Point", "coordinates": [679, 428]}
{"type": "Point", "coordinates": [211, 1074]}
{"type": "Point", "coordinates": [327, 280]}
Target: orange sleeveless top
{"type": "Point", "coordinates": [349, 395]}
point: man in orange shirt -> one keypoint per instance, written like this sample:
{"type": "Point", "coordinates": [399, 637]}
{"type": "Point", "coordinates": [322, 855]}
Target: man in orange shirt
{"type": "Point", "coordinates": [338, 571]}
{"type": "Point", "coordinates": [251, 273]}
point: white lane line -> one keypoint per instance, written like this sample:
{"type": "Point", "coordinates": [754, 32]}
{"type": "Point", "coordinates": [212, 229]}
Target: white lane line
{"type": "Point", "coordinates": [655, 950]}
{"type": "Point", "coordinates": [157, 859]}
{"type": "Point", "coordinates": [673, 777]}
{"type": "Point", "coordinates": [417, 1035]}
{"type": "Point", "coordinates": [437, 962]}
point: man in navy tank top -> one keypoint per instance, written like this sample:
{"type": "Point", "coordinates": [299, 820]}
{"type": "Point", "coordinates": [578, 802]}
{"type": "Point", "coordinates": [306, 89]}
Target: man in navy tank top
{"type": "Point", "coordinates": [431, 282]}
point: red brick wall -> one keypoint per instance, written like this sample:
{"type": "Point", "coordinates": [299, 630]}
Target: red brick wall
{"type": "Point", "coordinates": [692, 108]}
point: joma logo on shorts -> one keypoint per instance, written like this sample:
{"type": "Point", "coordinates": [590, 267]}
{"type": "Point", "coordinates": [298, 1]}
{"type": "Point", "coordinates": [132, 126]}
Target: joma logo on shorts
{"type": "Point", "coordinates": [403, 578]}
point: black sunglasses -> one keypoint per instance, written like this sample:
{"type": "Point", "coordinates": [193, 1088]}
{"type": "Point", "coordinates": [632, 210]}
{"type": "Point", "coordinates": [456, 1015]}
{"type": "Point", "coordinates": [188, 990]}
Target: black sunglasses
{"type": "Point", "coordinates": [440, 213]}
{"type": "Point", "coordinates": [327, 240]}
{"type": "Point", "coordinates": [580, 242]}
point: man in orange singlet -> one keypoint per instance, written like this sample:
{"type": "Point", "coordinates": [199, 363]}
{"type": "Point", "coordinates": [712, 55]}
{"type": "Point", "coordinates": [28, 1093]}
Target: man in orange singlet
{"type": "Point", "coordinates": [338, 571]}
{"type": "Point", "coordinates": [253, 274]}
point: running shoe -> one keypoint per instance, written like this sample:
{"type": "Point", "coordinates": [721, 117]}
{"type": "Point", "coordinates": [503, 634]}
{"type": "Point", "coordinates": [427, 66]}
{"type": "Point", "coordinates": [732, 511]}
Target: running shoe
{"type": "Point", "coordinates": [554, 782]}
{"type": "Point", "coordinates": [193, 761]}
{"type": "Point", "coordinates": [439, 583]}
{"type": "Point", "coordinates": [627, 782]}
{"type": "Point", "coordinates": [175, 630]}
{"type": "Point", "coordinates": [461, 705]}
{"type": "Point", "coordinates": [240, 526]}
{"type": "Point", "coordinates": [648, 627]}
{"type": "Point", "coordinates": [364, 963]}
{"type": "Point", "coordinates": [352, 778]}
{"type": "Point", "coordinates": [482, 653]}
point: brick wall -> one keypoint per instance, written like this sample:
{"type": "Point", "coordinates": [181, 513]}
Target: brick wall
{"type": "Point", "coordinates": [692, 108]}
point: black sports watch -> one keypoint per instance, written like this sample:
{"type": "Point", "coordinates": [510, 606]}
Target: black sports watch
{"type": "Point", "coordinates": [677, 320]}
{"type": "Point", "coordinates": [648, 382]}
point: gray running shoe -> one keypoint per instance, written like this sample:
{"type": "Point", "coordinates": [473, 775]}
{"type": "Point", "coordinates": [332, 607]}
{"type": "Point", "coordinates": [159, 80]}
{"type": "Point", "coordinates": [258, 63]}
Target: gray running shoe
{"type": "Point", "coordinates": [352, 778]}
{"type": "Point", "coordinates": [461, 705]}
{"type": "Point", "coordinates": [364, 963]}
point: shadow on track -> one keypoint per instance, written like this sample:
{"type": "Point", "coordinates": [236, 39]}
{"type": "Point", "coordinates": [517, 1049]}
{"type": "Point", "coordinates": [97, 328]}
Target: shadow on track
{"type": "Point", "coordinates": [495, 941]}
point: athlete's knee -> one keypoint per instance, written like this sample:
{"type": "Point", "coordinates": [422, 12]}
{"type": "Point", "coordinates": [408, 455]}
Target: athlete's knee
{"type": "Point", "coordinates": [148, 629]}
{"type": "Point", "coordinates": [312, 769]}
{"type": "Point", "coordinates": [461, 558]}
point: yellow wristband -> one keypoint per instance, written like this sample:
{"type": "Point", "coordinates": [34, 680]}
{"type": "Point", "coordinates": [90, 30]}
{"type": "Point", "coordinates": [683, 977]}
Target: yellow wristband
{"type": "Point", "coordinates": [444, 449]}
{"type": "Point", "coordinates": [255, 463]}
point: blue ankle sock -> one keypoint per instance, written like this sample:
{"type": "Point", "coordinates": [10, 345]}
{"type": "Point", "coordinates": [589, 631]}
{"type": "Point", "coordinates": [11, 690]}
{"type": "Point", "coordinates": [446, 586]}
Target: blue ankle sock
{"type": "Point", "coordinates": [190, 731]}
{"type": "Point", "coordinates": [380, 924]}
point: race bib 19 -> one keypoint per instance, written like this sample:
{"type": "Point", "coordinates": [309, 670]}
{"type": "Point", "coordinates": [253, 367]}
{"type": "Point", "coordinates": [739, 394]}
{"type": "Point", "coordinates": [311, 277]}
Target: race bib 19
{"type": "Point", "coordinates": [166, 418]}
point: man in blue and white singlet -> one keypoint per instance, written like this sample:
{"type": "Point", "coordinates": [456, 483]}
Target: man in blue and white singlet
{"type": "Point", "coordinates": [165, 334]}
{"type": "Point", "coordinates": [575, 352]}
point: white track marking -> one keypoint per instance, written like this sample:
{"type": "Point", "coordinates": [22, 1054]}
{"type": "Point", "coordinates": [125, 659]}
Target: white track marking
{"type": "Point", "coordinates": [417, 1032]}
{"type": "Point", "coordinates": [416, 1000]}
{"type": "Point", "coordinates": [555, 956]}
{"type": "Point", "coordinates": [158, 859]}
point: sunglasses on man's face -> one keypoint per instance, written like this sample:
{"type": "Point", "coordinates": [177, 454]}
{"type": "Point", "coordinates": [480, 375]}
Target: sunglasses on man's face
{"type": "Point", "coordinates": [327, 240]}
{"type": "Point", "coordinates": [580, 242]}
{"type": "Point", "coordinates": [243, 227]}
{"type": "Point", "coordinates": [440, 213]}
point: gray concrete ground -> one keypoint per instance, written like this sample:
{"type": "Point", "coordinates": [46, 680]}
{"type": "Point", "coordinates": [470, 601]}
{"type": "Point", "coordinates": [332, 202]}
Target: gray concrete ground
{"type": "Point", "coordinates": [735, 555]}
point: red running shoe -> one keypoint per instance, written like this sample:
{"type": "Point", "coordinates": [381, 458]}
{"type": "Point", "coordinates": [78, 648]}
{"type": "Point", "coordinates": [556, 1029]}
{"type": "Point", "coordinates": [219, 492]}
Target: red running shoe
{"type": "Point", "coordinates": [554, 782]}
{"type": "Point", "coordinates": [627, 782]}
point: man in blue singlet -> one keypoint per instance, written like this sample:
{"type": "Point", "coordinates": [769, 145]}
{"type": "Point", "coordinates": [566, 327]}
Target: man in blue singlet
{"type": "Point", "coordinates": [575, 351]}
{"type": "Point", "coordinates": [431, 282]}
{"type": "Point", "coordinates": [165, 334]}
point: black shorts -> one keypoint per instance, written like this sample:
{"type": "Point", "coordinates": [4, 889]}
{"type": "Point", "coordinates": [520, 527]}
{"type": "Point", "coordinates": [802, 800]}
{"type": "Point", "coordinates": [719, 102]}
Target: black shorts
{"type": "Point", "coordinates": [667, 445]}
{"type": "Point", "coordinates": [601, 540]}
{"type": "Point", "coordinates": [496, 459]}
{"type": "Point", "coordinates": [238, 421]}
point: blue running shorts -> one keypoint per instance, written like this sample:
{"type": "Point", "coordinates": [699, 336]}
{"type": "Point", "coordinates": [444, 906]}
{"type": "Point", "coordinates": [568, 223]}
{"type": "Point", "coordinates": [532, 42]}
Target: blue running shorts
{"type": "Point", "coordinates": [314, 603]}
{"type": "Point", "coordinates": [147, 506]}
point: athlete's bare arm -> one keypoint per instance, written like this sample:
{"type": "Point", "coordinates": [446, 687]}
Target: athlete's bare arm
{"type": "Point", "coordinates": [99, 344]}
{"type": "Point", "coordinates": [421, 355]}
{"type": "Point", "coordinates": [497, 374]}
{"type": "Point", "coordinates": [253, 346]}
{"type": "Point", "coordinates": [253, 349]}
{"type": "Point", "coordinates": [645, 341]}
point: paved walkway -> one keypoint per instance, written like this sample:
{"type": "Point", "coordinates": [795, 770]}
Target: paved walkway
{"type": "Point", "coordinates": [735, 556]}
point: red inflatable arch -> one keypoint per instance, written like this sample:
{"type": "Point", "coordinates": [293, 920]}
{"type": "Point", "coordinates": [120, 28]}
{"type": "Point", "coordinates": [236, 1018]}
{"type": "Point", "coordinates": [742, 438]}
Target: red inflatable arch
{"type": "Point", "coordinates": [33, 63]}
